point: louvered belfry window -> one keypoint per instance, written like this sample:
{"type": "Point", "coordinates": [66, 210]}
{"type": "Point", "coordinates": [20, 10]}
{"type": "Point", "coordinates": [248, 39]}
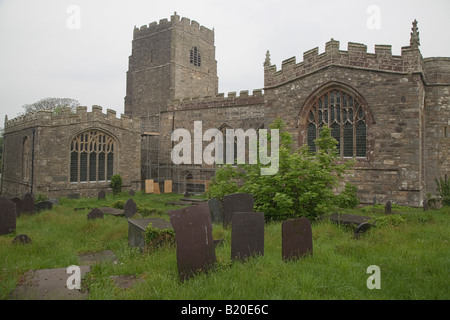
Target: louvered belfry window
{"type": "Point", "coordinates": [345, 116]}
{"type": "Point", "coordinates": [91, 157]}
{"type": "Point", "coordinates": [195, 57]}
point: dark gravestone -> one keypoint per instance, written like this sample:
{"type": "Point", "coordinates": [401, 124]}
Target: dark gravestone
{"type": "Point", "coordinates": [237, 202]}
{"type": "Point", "coordinates": [22, 239]}
{"type": "Point", "coordinates": [18, 203]}
{"type": "Point", "coordinates": [131, 193]}
{"type": "Point", "coordinates": [101, 195]}
{"type": "Point", "coordinates": [8, 216]}
{"type": "Point", "coordinates": [95, 214]}
{"type": "Point", "coordinates": [193, 235]}
{"type": "Point", "coordinates": [136, 230]}
{"type": "Point", "coordinates": [130, 208]}
{"type": "Point", "coordinates": [425, 204]}
{"type": "Point", "coordinates": [388, 207]}
{"type": "Point", "coordinates": [296, 238]}
{"type": "Point", "coordinates": [27, 205]}
{"type": "Point", "coordinates": [216, 210]}
{"type": "Point", "coordinates": [247, 235]}
{"type": "Point", "coordinates": [44, 205]}
{"type": "Point", "coordinates": [363, 227]}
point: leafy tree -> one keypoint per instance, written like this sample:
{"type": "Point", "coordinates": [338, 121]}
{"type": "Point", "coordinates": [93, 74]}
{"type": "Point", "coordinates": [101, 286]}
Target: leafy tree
{"type": "Point", "coordinates": [54, 104]}
{"type": "Point", "coordinates": [303, 186]}
{"type": "Point", "coordinates": [116, 184]}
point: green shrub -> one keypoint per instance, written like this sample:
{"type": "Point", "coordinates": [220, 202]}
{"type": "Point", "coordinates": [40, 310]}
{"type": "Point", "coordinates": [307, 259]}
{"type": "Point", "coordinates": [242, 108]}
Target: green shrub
{"type": "Point", "coordinates": [116, 184]}
{"type": "Point", "coordinates": [389, 220]}
{"type": "Point", "coordinates": [148, 211]}
{"type": "Point", "coordinates": [443, 187]}
{"type": "Point", "coordinates": [119, 204]}
{"type": "Point", "coordinates": [348, 198]}
{"type": "Point", "coordinates": [154, 238]}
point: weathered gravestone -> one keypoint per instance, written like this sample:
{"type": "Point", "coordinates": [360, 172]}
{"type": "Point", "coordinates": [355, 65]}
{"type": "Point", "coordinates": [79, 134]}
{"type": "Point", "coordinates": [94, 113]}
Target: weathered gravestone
{"type": "Point", "coordinates": [43, 205]}
{"type": "Point", "coordinates": [296, 237]}
{"type": "Point", "coordinates": [7, 216]}
{"type": "Point", "coordinates": [27, 205]}
{"type": "Point", "coordinates": [247, 235]}
{"type": "Point", "coordinates": [131, 193]}
{"type": "Point", "coordinates": [101, 195]}
{"type": "Point", "coordinates": [193, 236]}
{"type": "Point", "coordinates": [112, 211]}
{"type": "Point", "coordinates": [130, 208]}
{"type": "Point", "coordinates": [18, 203]}
{"type": "Point", "coordinates": [388, 207]}
{"type": "Point", "coordinates": [22, 239]}
{"type": "Point", "coordinates": [362, 223]}
{"type": "Point", "coordinates": [95, 214]}
{"type": "Point", "coordinates": [236, 202]}
{"type": "Point", "coordinates": [216, 210]}
{"type": "Point", "coordinates": [425, 204]}
{"type": "Point", "coordinates": [137, 227]}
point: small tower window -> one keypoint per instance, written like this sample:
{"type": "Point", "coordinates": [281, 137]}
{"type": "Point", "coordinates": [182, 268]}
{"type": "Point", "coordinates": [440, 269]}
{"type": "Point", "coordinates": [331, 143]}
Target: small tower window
{"type": "Point", "coordinates": [195, 57]}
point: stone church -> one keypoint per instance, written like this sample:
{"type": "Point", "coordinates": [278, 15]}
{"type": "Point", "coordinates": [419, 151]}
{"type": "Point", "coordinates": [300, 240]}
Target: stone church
{"type": "Point", "coordinates": [390, 113]}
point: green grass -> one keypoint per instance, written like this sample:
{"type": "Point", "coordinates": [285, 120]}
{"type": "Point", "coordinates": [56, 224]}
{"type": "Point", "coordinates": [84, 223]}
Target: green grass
{"type": "Point", "coordinates": [411, 248]}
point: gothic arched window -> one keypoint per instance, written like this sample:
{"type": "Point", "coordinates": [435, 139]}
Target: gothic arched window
{"type": "Point", "coordinates": [91, 157]}
{"type": "Point", "coordinates": [345, 116]}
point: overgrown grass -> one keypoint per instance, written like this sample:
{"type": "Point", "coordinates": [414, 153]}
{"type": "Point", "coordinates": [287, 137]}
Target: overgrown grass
{"type": "Point", "coordinates": [411, 248]}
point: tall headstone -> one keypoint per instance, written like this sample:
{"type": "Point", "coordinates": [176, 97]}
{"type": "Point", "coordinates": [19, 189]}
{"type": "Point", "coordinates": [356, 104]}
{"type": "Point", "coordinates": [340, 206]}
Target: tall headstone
{"type": "Point", "coordinates": [27, 204]}
{"type": "Point", "coordinates": [7, 216]}
{"type": "Point", "coordinates": [130, 208]}
{"type": "Point", "coordinates": [247, 235]}
{"type": "Point", "coordinates": [216, 210]}
{"type": "Point", "coordinates": [193, 236]}
{"type": "Point", "coordinates": [236, 202]}
{"type": "Point", "coordinates": [296, 237]}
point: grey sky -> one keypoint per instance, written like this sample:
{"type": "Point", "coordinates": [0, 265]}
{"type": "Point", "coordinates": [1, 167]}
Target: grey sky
{"type": "Point", "coordinates": [40, 56]}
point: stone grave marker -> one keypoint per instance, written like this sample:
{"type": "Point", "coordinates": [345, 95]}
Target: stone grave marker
{"type": "Point", "coordinates": [425, 204]}
{"type": "Point", "coordinates": [388, 207]}
{"type": "Point", "coordinates": [8, 216]}
{"type": "Point", "coordinates": [216, 210]}
{"type": "Point", "coordinates": [296, 237]}
{"type": "Point", "coordinates": [131, 193]}
{"type": "Point", "coordinates": [27, 205]}
{"type": "Point", "coordinates": [247, 235]}
{"type": "Point", "coordinates": [130, 208]}
{"type": "Point", "coordinates": [95, 214]}
{"type": "Point", "coordinates": [101, 195]}
{"type": "Point", "coordinates": [22, 239]}
{"type": "Point", "coordinates": [43, 205]}
{"type": "Point", "coordinates": [18, 203]}
{"type": "Point", "coordinates": [136, 230]}
{"type": "Point", "coordinates": [193, 236]}
{"type": "Point", "coordinates": [236, 202]}
{"type": "Point", "coordinates": [112, 211]}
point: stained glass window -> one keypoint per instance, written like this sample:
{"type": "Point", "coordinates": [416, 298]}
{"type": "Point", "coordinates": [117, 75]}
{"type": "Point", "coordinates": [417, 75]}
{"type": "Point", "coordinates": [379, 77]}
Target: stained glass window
{"type": "Point", "coordinates": [345, 116]}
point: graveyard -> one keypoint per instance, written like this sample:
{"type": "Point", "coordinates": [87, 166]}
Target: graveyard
{"type": "Point", "coordinates": [295, 259]}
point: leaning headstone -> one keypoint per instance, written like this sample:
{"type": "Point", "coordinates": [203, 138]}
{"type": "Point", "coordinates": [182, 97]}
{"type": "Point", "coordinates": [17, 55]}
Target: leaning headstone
{"type": "Point", "coordinates": [130, 208]}
{"type": "Point", "coordinates": [425, 204]}
{"type": "Point", "coordinates": [388, 207]}
{"type": "Point", "coordinates": [101, 195]}
{"type": "Point", "coordinates": [43, 205]}
{"type": "Point", "coordinates": [193, 236]}
{"type": "Point", "coordinates": [7, 216]}
{"type": "Point", "coordinates": [27, 204]}
{"type": "Point", "coordinates": [95, 214]}
{"type": "Point", "coordinates": [362, 228]}
{"type": "Point", "coordinates": [236, 202]}
{"type": "Point", "coordinates": [22, 239]}
{"type": "Point", "coordinates": [136, 230]}
{"type": "Point", "coordinates": [247, 235]}
{"type": "Point", "coordinates": [296, 237]}
{"type": "Point", "coordinates": [216, 210]}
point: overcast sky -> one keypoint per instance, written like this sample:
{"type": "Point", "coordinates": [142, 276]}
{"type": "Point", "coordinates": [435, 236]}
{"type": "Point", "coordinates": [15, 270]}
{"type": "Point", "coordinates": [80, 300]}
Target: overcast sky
{"type": "Point", "coordinates": [79, 49]}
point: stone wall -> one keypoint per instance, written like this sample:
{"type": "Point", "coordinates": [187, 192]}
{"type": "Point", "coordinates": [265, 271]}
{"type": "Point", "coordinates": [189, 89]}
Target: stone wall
{"type": "Point", "coordinates": [50, 152]}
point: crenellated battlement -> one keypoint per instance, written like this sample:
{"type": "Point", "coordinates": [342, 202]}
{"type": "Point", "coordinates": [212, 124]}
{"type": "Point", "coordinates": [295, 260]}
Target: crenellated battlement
{"type": "Point", "coordinates": [66, 116]}
{"type": "Point", "coordinates": [183, 23]}
{"type": "Point", "coordinates": [219, 100]}
{"type": "Point", "coordinates": [356, 56]}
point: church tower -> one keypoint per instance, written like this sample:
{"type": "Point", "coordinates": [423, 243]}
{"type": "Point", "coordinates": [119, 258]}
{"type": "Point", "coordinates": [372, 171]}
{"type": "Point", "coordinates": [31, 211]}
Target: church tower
{"type": "Point", "coordinates": [170, 60]}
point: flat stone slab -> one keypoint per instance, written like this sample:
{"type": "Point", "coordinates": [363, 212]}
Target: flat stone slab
{"type": "Point", "coordinates": [349, 219]}
{"type": "Point", "coordinates": [48, 284]}
{"type": "Point", "coordinates": [95, 257]}
{"type": "Point", "coordinates": [112, 211]}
